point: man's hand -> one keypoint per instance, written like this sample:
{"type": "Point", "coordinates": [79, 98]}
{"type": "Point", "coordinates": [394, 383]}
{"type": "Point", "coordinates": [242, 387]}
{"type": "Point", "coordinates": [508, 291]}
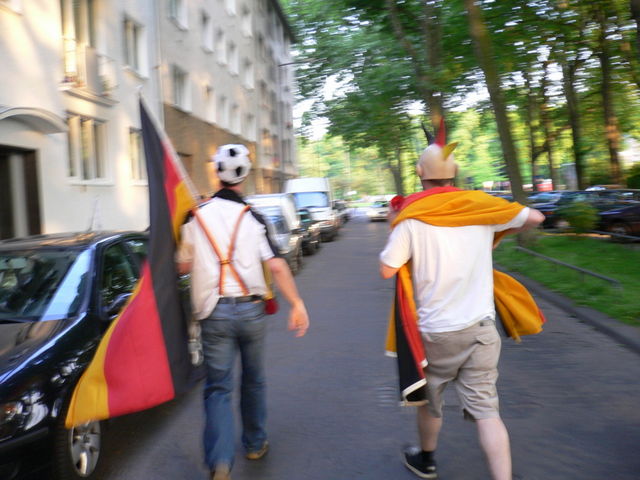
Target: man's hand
{"type": "Point", "coordinates": [298, 319]}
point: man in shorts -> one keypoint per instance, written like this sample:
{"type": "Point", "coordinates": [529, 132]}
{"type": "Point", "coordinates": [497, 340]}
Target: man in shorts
{"type": "Point", "coordinates": [451, 271]}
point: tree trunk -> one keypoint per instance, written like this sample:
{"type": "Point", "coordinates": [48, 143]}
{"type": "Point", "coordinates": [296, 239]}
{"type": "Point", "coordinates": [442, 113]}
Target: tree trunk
{"type": "Point", "coordinates": [486, 59]}
{"type": "Point", "coordinates": [531, 107]}
{"type": "Point", "coordinates": [397, 172]}
{"type": "Point", "coordinates": [610, 120]}
{"type": "Point", "coordinates": [635, 14]}
{"type": "Point", "coordinates": [568, 85]}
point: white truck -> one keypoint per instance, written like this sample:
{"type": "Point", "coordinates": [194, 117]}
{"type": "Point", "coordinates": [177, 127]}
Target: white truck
{"type": "Point", "coordinates": [314, 194]}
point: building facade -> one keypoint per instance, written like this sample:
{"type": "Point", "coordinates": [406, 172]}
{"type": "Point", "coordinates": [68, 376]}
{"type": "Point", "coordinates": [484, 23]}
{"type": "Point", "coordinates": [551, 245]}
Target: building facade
{"type": "Point", "coordinates": [71, 155]}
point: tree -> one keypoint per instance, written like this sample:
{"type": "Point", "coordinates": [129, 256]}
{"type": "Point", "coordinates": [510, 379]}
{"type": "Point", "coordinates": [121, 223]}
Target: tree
{"type": "Point", "coordinates": [486, 59]}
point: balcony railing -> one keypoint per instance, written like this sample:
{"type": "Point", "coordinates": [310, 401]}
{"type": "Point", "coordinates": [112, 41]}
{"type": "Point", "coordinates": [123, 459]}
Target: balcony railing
{"type": "Point", "coordinates": [85, 68]}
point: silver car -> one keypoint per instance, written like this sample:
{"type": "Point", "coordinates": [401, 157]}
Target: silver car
{"type": "Point", "coordinates": [378, 211]}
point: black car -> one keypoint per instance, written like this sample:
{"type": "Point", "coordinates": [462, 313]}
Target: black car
{"type": "Point", "coordinates": [551, 203]}
{"type": "Point", "coordinates": [311, 235]}
{"type": "Point", "coordinates": [623, 220]}
{"type": "Point", "coordinates": [58, 295]}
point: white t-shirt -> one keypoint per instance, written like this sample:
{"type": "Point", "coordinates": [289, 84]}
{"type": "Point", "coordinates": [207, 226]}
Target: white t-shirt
{"type": "Point", "coordinates": [252, 247]}
{"type": "Point", "coordinates": [451, 270]}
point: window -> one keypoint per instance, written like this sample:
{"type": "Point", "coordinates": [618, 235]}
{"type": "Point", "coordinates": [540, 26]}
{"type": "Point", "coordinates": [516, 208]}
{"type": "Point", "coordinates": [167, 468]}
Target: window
{"type": "Point", "coordinates": [264, 99]}
{"type": "Point", "coordinates": [247, 73]}
{"type": "Point", "coordinates": [180, 88]}
{"type": "Point", "coordinates": [261, 49]}
{"type": "Point", "coordinates": [86, 144]}
{"type": "Point", "coordinates": [206, 30]}
{"type": "Point", "coordinates": [235, 119]}
{"type": "Point", "coordinates": [132, 44]}
{"type": "Point", "coordinates": [78, 30]}
{"type": "Point", "coordinates": [249, 126]}
{"type": "Point", "coordinates": [136, 154]}
{"type": "Point", "coordinates": [117, 280]}
{"type": "Point", "coordinates": [221, 110]}
{"type": "Point", "coordinates": [245, 22]}
{"type": "Point", "coordinates": [221, 44]}
{"type": "Point", "coordinates": [139, 247]}
{"type": "Point", "coordinates": [232, 57]}
{"type": "Point", "coordinates": [231, 6]}
{"type": "Point", "coordinates": [209, 102]}
{"type": "Point", "coordinates": [272, 107]}
{"type": "Point", "coordinates": [178, 12]}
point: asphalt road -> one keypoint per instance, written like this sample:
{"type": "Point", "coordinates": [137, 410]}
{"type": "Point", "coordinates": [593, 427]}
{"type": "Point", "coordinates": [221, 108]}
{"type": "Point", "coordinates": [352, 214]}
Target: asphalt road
{"type": "Point", "coordinates": [569, 396]}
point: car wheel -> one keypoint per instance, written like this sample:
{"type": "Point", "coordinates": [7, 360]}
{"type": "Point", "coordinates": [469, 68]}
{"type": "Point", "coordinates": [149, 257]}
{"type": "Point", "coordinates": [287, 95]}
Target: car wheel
{"type": "Point", "coordinates": [76, 450]}
{"type": "Point", "coordinates": [620, 229]}
{"type": "Point", "coordinates": [296, 261]}
{"type": "Point", "coordinates": [299, 257]}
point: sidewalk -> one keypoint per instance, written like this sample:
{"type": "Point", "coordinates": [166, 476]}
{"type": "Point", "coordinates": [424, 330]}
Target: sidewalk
{"type": "Point", "coordinates": [626, 335]}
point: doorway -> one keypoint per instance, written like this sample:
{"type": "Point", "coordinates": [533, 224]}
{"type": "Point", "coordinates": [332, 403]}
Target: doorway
{"type": "Point", "coordinates": [19, 193]}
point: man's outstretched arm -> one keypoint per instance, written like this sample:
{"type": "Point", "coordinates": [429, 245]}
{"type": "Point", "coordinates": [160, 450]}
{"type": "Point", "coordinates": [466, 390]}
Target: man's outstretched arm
{"type": "Point", "coordinates": [386, 271]}
{"type": "Point", "coordinates": [298, 317]}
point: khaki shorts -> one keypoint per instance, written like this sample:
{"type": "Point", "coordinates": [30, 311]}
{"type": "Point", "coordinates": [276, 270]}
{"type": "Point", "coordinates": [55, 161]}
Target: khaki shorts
{"type": "Point", "coordinates": [469, 358]}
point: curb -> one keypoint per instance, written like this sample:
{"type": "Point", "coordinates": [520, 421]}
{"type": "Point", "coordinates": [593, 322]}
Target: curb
{"type": "Point", "coordinates": [624, 334]}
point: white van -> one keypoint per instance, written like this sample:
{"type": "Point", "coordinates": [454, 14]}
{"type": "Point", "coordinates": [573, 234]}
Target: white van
{"type": "Point", "coordinates": [314, 194]}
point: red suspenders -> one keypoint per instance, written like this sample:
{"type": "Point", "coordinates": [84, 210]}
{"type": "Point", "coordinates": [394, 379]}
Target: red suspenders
{"type": "Point", "coordinates": [225, 261]}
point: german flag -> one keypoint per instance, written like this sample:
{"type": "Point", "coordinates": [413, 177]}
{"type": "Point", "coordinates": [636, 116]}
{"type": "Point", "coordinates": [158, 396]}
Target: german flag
{"type": "Point", "coordinates": [143, 359]}
{"type": "Point", "coordinates": [451, 207]}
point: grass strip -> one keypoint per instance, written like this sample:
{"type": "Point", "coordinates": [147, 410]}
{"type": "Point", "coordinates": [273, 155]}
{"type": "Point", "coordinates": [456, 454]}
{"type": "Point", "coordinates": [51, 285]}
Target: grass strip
{"type": "Point", "coordinates": [597, 254]}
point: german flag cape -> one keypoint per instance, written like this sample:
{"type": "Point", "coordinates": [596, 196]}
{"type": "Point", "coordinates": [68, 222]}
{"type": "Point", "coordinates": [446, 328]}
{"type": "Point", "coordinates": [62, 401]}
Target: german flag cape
{"type": "Point", "coordinates": [143, 359]}
{"type": "Point", "coordinates": [451, 207]}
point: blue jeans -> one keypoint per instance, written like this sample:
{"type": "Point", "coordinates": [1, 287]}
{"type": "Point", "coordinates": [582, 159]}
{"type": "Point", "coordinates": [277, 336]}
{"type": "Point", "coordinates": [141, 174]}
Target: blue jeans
{"type": "Point", "coordinates": [230, 329]}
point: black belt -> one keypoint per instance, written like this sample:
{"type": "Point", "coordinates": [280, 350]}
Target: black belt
{"type": "Point", "coordinates": [248, 298]}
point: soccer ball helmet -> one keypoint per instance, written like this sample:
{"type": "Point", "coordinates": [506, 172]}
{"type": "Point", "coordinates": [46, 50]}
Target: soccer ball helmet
{"type": "Point", "coordinates": [232, 163]}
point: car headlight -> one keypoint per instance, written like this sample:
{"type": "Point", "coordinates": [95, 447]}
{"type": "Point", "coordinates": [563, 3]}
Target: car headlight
{"type": "Point", "coordinates": [22, 414]}
{"type": "Point", "coordinates": [11, 417]}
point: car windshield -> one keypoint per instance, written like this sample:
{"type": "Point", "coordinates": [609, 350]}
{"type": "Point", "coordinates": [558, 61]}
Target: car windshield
{"type": "Point", "coordinates": [42, 284]}
{"type": "Point", "coordinates": [380, 205]}
{"type": "Point", "coordinates": [311, 199]}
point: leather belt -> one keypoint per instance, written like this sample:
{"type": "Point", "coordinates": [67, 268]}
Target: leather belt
{"type": "Point", "coordinates": [234, 300]}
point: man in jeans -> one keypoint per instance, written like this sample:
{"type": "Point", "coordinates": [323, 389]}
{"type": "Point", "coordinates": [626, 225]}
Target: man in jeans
{"type": "Point", "coordinates": [224, 246]}
{"type": "Point", "coordinates": [447, 234]}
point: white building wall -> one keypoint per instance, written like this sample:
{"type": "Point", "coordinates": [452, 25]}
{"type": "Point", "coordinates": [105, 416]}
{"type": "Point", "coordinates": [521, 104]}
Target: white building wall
{"type": "Point", "coordinates": [210, 69]}
{"type": "Point", "coordinates": [32, 49]}
{"type": "Point", "coordinates": [36, 79]}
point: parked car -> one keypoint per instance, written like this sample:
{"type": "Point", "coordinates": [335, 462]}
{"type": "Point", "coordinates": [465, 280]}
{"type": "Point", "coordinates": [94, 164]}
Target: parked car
{"type": "Point", "coordinates": [624, 220]}
{"type": "Point", "coordinates": [552, 203]}
{"type": "Point", "coordinates": [311, 236]}
{"type": "Point", "coordinates": [378, 211]}
{"type": "Point", "coordinates": [340, 206]}
{"type": "Point", "coordinates": [283, 219]}
{"type": "Point", "coordinates": [58, 295]}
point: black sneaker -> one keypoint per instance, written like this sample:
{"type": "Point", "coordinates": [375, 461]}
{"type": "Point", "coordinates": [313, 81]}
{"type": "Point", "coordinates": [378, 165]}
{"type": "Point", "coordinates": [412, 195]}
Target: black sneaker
{"type": "Point", "coordinates": [414, 461]}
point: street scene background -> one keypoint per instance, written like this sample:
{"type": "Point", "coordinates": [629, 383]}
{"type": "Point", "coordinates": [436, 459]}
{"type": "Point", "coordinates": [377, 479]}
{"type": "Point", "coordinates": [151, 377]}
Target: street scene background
{"type": "Point", "coordinates": [568, 395]}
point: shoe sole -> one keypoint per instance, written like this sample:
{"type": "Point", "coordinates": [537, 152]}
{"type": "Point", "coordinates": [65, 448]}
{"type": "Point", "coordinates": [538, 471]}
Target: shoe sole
{"type": "Point", "coordinates": [430, 476]}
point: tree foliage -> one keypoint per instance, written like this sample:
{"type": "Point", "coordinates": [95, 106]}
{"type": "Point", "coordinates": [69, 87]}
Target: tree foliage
{"type": "Point", "coordinates": [567, 72]}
